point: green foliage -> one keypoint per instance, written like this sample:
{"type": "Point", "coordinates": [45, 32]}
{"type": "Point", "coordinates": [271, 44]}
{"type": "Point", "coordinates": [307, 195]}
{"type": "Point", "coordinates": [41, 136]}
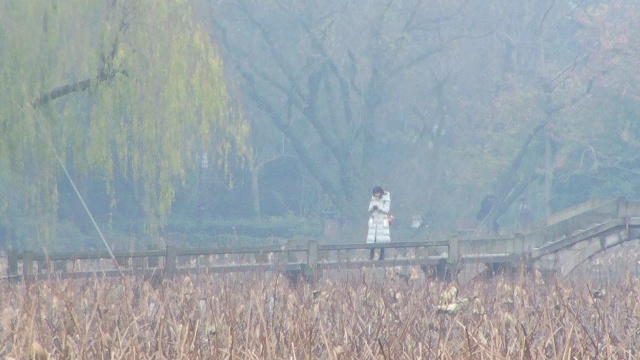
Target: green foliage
{"type": "Point", "coordinates": [123, 90]}
{"type": "Point", "coordinates": [131, 93]}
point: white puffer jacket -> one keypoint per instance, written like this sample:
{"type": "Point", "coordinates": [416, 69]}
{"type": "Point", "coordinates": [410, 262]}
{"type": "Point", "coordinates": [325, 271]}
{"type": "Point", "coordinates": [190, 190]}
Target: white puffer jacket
{"type": "Point", "coordinates": [378, 219]}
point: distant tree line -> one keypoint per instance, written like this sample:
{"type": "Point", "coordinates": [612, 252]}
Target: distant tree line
{"type": "Point", "coordinates": [181, 120]}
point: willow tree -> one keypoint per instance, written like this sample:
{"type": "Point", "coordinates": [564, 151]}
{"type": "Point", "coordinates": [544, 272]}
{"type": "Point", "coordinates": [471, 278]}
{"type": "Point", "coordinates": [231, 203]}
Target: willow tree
{"type": "Point", "coordinates": [115, 88]}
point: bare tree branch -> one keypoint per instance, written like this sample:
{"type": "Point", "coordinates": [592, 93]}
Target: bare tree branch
{"type": "Point", "coordinates": [106, 72]}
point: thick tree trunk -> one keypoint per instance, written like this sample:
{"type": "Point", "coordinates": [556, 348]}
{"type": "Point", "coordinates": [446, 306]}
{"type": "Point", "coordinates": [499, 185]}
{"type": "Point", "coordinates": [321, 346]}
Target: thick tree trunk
{"type": "Point", "coordinates": [255, 192]}
{"type": "Point", "coordinates": [548, 178]}
{"type": "Point", "coordinates": [515, 180]}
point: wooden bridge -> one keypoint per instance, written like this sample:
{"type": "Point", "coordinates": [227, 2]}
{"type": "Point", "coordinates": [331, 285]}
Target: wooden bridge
{"type": "Point", "coordinates": [559, 244]}
{"type": "Point", "coordinates": [564, 240]}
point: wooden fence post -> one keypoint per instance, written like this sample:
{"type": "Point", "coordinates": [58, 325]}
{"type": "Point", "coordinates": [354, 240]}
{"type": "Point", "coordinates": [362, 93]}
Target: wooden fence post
{"type": "Point", "coordinates": [170, 266]}
{"type": "Point", "coordinates": [312, 256]}
{"type": "Point", "coordinates": [311, 273]}
{"type": "Point", "coordinates": [454, 250]}
{"type": "Point", "coordinates": [27, 265]}
{"type": "Point", "coordinates": [12, 259]}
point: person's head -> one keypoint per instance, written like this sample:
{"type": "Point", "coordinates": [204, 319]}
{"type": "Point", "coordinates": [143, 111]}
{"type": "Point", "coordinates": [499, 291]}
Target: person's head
{"type": "Point", "coordinates": [378, 191]}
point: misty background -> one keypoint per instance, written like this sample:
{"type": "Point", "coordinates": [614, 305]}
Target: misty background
{"type": "Point", "coordinates": [236, 122]}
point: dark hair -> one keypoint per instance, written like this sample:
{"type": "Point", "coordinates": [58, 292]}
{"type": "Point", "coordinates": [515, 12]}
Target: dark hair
{"type": "Point", "coordinates": [378, 190]}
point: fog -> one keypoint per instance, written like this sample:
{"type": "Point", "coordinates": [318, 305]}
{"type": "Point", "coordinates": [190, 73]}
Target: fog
{"type": "Point", "coordinates": [441, 103]}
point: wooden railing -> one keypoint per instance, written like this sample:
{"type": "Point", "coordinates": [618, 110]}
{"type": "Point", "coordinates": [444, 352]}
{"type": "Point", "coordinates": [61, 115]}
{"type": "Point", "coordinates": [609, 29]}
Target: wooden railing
{"type": "Point", "coordinates": [587, 220]}
{"type": "Point", "coordinates": [302, 258]}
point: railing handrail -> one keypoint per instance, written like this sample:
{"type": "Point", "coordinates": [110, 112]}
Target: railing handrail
{"type": "Point", "coordinates": [298, 247]}
{"type": "Point", "coordinates": [171, 253]}
{"type": "Point", "coordinates": [520, 244]}
{"type": "Point", "coordinates": [386, 245]}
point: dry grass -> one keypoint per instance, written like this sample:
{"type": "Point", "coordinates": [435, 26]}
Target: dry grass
{"type": "Point", "coordinates": [368, 314]}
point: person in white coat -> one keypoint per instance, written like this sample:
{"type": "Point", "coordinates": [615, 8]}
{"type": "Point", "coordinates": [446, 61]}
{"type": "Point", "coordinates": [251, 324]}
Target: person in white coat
{"type": "Point", "coordinates": [379, 226]}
